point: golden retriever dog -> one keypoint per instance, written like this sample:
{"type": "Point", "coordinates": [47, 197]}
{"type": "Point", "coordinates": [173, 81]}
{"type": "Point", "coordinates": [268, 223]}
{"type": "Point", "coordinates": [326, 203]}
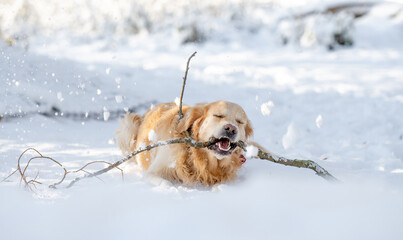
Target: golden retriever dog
{"type": "Point", "coordinates": [180, 163]}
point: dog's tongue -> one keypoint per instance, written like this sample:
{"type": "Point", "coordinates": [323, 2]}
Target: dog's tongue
{"type": "Point", "coordinates": [243, 159]}
{"type": "Point", "coordinates": [224, 145]}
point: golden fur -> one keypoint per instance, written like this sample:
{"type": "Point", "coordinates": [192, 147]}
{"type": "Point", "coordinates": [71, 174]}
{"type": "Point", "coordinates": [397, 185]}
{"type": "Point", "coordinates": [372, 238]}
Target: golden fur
{"type": "Point", "coordinates": [178, 162]}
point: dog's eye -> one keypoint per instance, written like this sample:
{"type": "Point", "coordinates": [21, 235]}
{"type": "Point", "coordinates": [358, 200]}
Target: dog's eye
{"type": "Point", "coordinates": [239, 121]}
{"type": "Point", "coordinates": [218, 116]}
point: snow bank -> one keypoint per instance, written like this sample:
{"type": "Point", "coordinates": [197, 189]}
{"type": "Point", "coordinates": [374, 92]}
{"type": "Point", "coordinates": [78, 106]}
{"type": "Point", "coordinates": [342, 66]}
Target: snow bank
{"type": "Point", "coordinates": [303, 23]}
{"type": "Point", "coordinates": [258, 209]}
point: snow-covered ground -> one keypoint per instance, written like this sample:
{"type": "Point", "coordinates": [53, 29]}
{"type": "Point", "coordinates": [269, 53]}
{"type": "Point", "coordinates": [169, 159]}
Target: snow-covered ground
{"type": "Point", "coordinates": [342, 109]}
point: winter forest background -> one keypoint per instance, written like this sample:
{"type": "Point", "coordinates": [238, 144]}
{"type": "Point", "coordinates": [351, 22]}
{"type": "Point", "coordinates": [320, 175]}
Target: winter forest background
{"type": "Point", "coordinates": [320, 80]}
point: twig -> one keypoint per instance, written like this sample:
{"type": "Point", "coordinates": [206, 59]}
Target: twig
{"type": "Point", "coordinates": [86, 165]}
{"type": "Point", "coordinates": [19, 166]}
{"type": "Point", "coordinates": [191, 142]}
{"type": "Point", "coordinates": [11, 174]}
{"type": "Point", "coordinates": [183, 85]}
{"type": "Point", "coordinates": [320, 171]}
{"type": "Point", "coordinates": [309, 164]}
{"type": "Point", "coordinates": [100, 179]}
{"type": "Point", "coordinates": [33, 181]}
{"type": "Point", "coordinates": [22, 172]}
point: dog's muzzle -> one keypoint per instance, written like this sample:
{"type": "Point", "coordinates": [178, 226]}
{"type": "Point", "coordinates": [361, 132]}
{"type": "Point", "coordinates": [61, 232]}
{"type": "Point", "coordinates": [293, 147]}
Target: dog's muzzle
{"type": "Point", "coordinates": [229, 131]}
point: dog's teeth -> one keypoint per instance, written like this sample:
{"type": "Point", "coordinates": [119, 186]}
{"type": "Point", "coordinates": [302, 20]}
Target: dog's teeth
{"type": "Point", "coordinates": [222, 148]}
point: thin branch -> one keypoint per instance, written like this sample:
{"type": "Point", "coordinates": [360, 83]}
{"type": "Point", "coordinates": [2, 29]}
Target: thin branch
{"type": "Point", "coordinates": [100, 179]}
{"type": "Point", "coordinates": [309, 164]}
{"type": "Point", "coordinates": [190, 141]}
{"type": "Point", "coordinates": [86, 165]}
{"type": "Point", "coordinates": [320, 171]}
{"type": "Point", "coordinates": [33, 181]}
{"type": "Point", "coordinates": [11, 174]}
{"type": "Point", "coordinates": [19, 166]}
{"type": "Point", "coordinates": [22, 172]}
{"type": "Point", "coordinates": [183, 85]}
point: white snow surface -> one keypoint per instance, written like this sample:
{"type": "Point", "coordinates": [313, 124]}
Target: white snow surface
{"type": "Point", "coordinates": [347, 105]}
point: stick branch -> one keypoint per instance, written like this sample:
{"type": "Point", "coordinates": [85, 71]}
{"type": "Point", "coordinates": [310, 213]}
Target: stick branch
{"type": "Point", "coordinates": [320, 171]}
{"type": "Point", "coordinates": [191, 142]}
{"type": "Point", "coordinates": [183, 85]}
{"type": "Point", "coordinates": [187, 140]}
{"type": "Point", "coordinates": [309, 164]}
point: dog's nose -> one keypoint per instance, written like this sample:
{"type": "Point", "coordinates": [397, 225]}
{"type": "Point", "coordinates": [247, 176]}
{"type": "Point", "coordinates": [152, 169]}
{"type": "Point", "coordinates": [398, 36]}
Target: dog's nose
{"type": "Point", "coordinates": [230, 130]}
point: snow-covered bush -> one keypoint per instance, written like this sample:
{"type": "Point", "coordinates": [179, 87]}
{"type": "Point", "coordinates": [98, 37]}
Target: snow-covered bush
{"type": "Point", "coordinates": [327, 30]}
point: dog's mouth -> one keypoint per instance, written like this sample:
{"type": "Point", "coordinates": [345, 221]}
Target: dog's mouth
{"type": "Point", "coordinates": [223, 146]}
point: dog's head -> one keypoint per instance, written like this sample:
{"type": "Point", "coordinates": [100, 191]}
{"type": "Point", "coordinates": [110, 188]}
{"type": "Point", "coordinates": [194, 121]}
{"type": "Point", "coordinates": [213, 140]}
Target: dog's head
{"type": "Point", "coordinates": [223, 120]}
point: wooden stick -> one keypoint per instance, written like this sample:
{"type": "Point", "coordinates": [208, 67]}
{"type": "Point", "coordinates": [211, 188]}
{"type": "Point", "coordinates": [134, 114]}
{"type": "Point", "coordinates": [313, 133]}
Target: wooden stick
{"type": "Point", "coordinates": [309, 164]}
{"type": "Point", "coordinates": [191, 142]}
{"type": "Point", "coordinates": [320, 171]}
{"type": "Point", "coordinates": [183, 85]}
{"type": "Point", "coordinates": [33, 181]}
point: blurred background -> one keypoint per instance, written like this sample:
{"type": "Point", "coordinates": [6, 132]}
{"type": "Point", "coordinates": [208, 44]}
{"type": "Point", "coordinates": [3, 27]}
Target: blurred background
{"type": "Point", "coordinates": [305, 23]}
{"type": "Point", "coordinates": [158, 35]}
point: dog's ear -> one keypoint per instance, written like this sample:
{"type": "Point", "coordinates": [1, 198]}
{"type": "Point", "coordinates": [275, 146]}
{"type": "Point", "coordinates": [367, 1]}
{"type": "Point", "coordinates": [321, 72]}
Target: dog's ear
{"type": "Point", "coordinates": [248, 129]}
{"type": "Point", "coordinates": [192, 115]}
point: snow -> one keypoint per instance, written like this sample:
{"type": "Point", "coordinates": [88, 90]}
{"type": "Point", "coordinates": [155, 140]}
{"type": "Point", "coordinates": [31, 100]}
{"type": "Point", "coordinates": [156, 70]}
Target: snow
{"type": "Point", "coordinates": [319, 121]}
{"type": "Point", "coordinates": [291, 137]}
{"type": "Point", "coordinates": [177, 101]}
{"type": "Point", "coordinates": [251, 151]}
{"type": "Point", "coordinates": [341, 108]}
{"type": "Point", "coordinates": [106, 114]}
{"type": "Point", "coordinates": [142, 145]}
{"type": "Point", "coordinates": [267, 108]}
{"type": "Point", "coordinates": [152, 136]}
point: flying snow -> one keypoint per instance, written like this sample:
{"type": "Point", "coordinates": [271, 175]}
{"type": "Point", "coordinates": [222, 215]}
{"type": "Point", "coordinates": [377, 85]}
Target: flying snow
{"type": "Point", "coordinates": [108, 70]}
{"type": "Point", "coordinates": [118, 98]}
{"type": "Point", "coordinates": [60, 96]}
{"type": "Point", "coordinates": [319, 121]}
{"type": "Point", "coordinates": [266, 108]}
{"type": "Point", "coordinates": [152, 136]}
{"type": "Point", "coordinates": [177, 101]}
{"type": "Point", "coordinates": [107, 114]}
{"type": "Point", "coordinates": [291, 137]}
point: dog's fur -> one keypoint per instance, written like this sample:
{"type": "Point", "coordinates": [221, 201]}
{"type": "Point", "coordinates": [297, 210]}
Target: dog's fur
{"type": "Point", "coordinates": [181, 163]}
